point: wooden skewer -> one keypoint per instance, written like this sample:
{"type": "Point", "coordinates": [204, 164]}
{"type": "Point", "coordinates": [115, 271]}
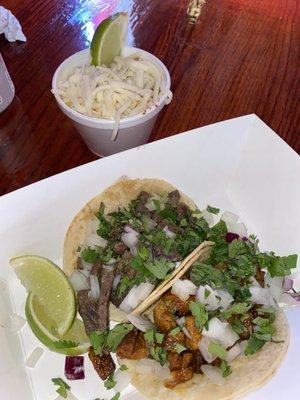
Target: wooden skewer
{"type": "Point", "coordinates": [198, 253]}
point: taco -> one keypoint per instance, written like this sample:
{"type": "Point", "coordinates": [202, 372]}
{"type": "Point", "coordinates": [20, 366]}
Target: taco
{"type": "Point", "coordinates": [125, 242]}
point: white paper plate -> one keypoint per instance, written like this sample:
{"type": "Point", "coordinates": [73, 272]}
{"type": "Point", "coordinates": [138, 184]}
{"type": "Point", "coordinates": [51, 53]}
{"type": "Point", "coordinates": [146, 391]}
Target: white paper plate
{"type": "Point", "coordinates": [239, 165]}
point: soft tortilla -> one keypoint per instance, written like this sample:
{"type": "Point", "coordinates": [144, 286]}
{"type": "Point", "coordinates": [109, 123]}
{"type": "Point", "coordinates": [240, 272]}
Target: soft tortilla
{"type": "Point", "coordinates": [248, 373]}
{"type": "Point", "coordinates": [118, 195]}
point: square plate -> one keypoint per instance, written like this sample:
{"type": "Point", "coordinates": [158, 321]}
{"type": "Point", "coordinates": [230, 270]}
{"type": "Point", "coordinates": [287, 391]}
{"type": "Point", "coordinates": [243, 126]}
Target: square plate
{"type": "Point", "coordinates": [239, 165]}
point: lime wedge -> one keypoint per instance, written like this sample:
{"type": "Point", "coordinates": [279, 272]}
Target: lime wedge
{"type": "Point", "coordinates": [75, 342]}
{"type": "Point", "coordinates": [109, 39]}
{"type": "Point", "coordinates": [51, 288]}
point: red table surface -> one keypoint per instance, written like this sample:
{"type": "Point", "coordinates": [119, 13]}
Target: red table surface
{"type": "Point", "coordinates": [226, 58]}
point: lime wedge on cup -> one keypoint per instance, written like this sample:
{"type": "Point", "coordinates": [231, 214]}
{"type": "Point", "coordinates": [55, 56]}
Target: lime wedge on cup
{"type": "Point", "coordinates": [75, 342]}
{"type": "Point", "coordinates": [51, 288]}
{"type": "Point", "coordinates": [109, 39]}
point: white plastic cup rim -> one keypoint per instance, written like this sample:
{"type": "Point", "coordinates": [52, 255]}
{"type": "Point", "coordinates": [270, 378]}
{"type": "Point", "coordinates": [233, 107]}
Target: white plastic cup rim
{"type": "Point", "coordinates": [81, 58]}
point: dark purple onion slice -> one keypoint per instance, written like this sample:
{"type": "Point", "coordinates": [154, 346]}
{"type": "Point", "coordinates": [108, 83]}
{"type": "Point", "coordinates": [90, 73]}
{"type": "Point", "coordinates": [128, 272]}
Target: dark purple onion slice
{"type": "Point", "coordinates": [231, 236]}
{"type": "Point", "coordinates": [295, 296]}
{"type": "Point", "coordinates": [74, 367]}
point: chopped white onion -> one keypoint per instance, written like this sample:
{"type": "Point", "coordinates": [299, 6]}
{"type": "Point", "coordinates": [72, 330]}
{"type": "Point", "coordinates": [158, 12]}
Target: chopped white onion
{"type": "Point", "coordinates": [147, 366]}
{"type": "Point", "coordinates": [183, 288]}
{"type": "Point", "coordinates": [211, 302]}
{"type": "Point", "coordinates": [128, 229]}
{"type": "Point", "coordinates": [130, 239]}
{"type": "Point", "coordinates": [226, 299]}
{"type": "Point", "coordinates": [186, 332]}
{"type": "Point", "coordinates": [214, 374]}
{"type": "Point", "coordinates": [86, 266]}
{"type": "Point", "coordinates": [94, 240]}
{"type": "Point", "coordinates": [92, 226]}
{"type": "Point", "coordinates": [143, 324]}
{"type": "Point", "coordinates": [16, 323]}
{"type": "Point", "coordinates": [275, 286]}
{"type": "Point", "coordinates": [133, 250]}
{"type": "Point", "coordinates": [79, 281]}
{"type": "Point", "coordinates": [203, 347]}
{"type": "Point", "coordinates": [232, 353]}
{"type": "Point", "coordinates": [261, 296]}
{"type": "Point", "coordinates": [34, 357]}
{"type": "Point", "coordinates": [112, 261]}
{"type": "Point", "coordinates": [150, 203]}
{"type": "Point", "coordinates": [180, 321]}
{"type": "Point", "coordinates": [209, 217]}
{"type": "Point", "coordinates": [229, 217]}
{"type": "Point", "coordinates": [85, 272]}
{"type": "Point", "coordinates": [135, 296]}
{"type": "Point", "coordinates": [116, 282]}
{"type": "Point", "coordinates": [95, 288]}
{"type": "Point", "coordinates": [122, 379]}
{"type": "Point", "coordinates": [221, 332]}
{"type": "Point", "coordinates": [169, 234]}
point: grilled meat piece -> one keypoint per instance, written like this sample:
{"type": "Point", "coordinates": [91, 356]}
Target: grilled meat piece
{"type": "Point", "coordinates": [175, 361]}
{"type": "Point", "coordinates": [181, 367]}
{"type": "Point", "coordinates": [260, 277]}
{"type": "Point", "coordinates": [120, 248]}
{"type": "Point", "coordinates": [190, 324]}
{"type": "Point", "coordinates": [96, 268]}
{"type": "Point", "coordinates": [216, 362]}
{"type": "Point", "coordinates": [198, 360]}
{"type": "Point", "coordinates": [106, 282]}
{"type": "Point", "coordinates": [173, 198]}
{"type": "Point", "coordinates": [87, 308]}
{"type": "Point", "coordinates": [133, 346]}
{"type": "Point", "coordinates": [104, 364]}
{"type": "Point", "coordinates": [175, 304]}
{"type": "Point", "coordinates": [164, 320]}
{"type": "Point", "coordinates": [141, 202]}
{"type": "Point", "coordinates": [172, 340]}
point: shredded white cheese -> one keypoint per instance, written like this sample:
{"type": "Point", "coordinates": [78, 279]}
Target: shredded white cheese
{"type": "Point", "coordinates": [130, 86]}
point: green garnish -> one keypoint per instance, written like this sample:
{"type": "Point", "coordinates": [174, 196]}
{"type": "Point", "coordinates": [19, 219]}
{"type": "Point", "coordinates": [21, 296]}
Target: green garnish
{"type": "Point", "coordinates": [143, 252]}
{"type": "Point", "coordinates": [217, 350]}
{"type": "Point", "coordinates": [207, 293]}
{"type": "Point", "coordinates": [116, 396]}
{"type": "Point", "coordinates": [253, 345]}
{"type": "Point", "coordinates": [159, 354]}
{"type": "Point", "coordinates": [98, 341]}
{"type": "Point", "coordinates": [175, 331]}
{"type": "Point", "coordinates": [200, 314]}
{"type": "Point", "coordinates": [63, 387]}
{"type": "Point", "coordinates": [159, 268]}
{"type": "Point", "coordinates": [179, 348]}
{"type": "Point", "coordinates": [159, 337]}
{"type": "Point", "coordinates": [123, 367]}
{"type": "Point", "coordinates": [116, 335]}
{"type": "Point", "coordinates": [110, 382]}
{"type": "Point", "coordinates": [225, 369]}
{"type": "Point", "coordinates": [238, 308]}
{"type": "Point", "coordinates": [149, 336]}
{"type": "Point", "coordinates": [213, 210]}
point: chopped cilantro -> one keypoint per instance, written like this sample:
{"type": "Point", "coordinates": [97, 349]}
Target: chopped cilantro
{"type": "Point", "coordinates": [204, 274]}
{"type": "Point", "coordinates": [110, 382]}
{"type": "Point", "coordinates": [63, 387]}
{"type": "Point", "coordinates": [159, 354]}
{"type": "Point", "coordinates": [90, 256]}
{"type": "Point", "coordinates": [217, 350]}
{"type": "Point", "coordinates": [116, 335]}
{"type": "Point", "coordinates": [149, 336]}
{"type": "Point", "coordinates": [266, 310]}
{"type": "Point", "coordinates": [281, 266]}
{"type": "Point", "coordinates": [207, 293]}
{"type": "Point", "coordinates": [253, 345]}
{"type": "Point", "coordinates": [143, 252]}
{"type": "Point", "coordinates": [237, 326]}
{"type": "Point", "coordinates": [175, 331]}
{"type": "Point", "coordinates": [159, 337]}
{"type": "Point", "coordinates": [159, 268]}
{"type": "Point", "coordinates": [179, 348]}
{"type": "Point", "coordinates": [116, 396]}
{"type": "Point", "coordinates": [124, 285]}
{"type": "Point", "coordinates": [123, 367]}
{"type": "Point", "coordinates": [200, 314]}
{"type": "Point", "coordinates": [98, 341]}
{"type": "Point", "coordinates": [213, 210]}
{"type": "Point", "coordinates": [237, 308]}
{"type": "Point", "coordinates": [225, 369]}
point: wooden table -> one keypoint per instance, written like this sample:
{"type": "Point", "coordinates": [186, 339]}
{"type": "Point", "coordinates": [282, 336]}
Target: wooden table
{"type": "Point", "coordinates": [226, 58]}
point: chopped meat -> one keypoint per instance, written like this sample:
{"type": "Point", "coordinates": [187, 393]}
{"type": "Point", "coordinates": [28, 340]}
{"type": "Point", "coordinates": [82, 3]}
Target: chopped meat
{"type": "Point", "coordinates": [104, 364]}
{"type": "Point", "coordinates": [175, 361]}
{"type": "Point", "coordinates": [216, 362]}
{"type": "Point", "coordinates": [172, 340]}
{"type": "Point", "coordinates": [156, 217]}
{"type": "Point", "coordinates": [119, 248]}
{"type": "Point", "coordinates": [79, 263]}
{"type": "Point", "coordinates": [141, 201]}
{"type": "Point", "coordinates": [174, 256]}
{"type": "Point", "coordinates": [173, 198]}
{"type": "Point", "coordinates": [179, 376]}
{"type": "Point", "coordinates": [106, 282]}
{"type": "Point", "coordinates": [164, 320]}
{"type": "Point", "coordinates": [133, 346]}
{"type": "Point", "coordinates": [190, 324]}
{"type": "Point", "coordinates": [260, 277]}
{"type": "Point", "coordinates": [174, 304]}
{"type": "Point", "coordinates": [187, 359]}
{"type": "Point", "coordinates": [124, 265]}
{"type": "Point", "coordinates": [115, 232]}
{"type": "Point", "coordinates": [182, 210]}
{"type": "Point", "coordinates": [87, 308]}
{"type": "Point", "coordinates": [198, 360]}
{"type": "Point", "coordinates": [96, 268]}
{"type": "Point", "coordinates": [247, 322]}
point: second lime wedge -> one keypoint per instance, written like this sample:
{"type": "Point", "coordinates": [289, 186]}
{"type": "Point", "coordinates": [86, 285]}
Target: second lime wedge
{"type": "Point", "coordinates": [51, 289]}
{"type": "Point", "coordinates": [109, 39]}
{"type": "Point", "coordinates": [75, 342]}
